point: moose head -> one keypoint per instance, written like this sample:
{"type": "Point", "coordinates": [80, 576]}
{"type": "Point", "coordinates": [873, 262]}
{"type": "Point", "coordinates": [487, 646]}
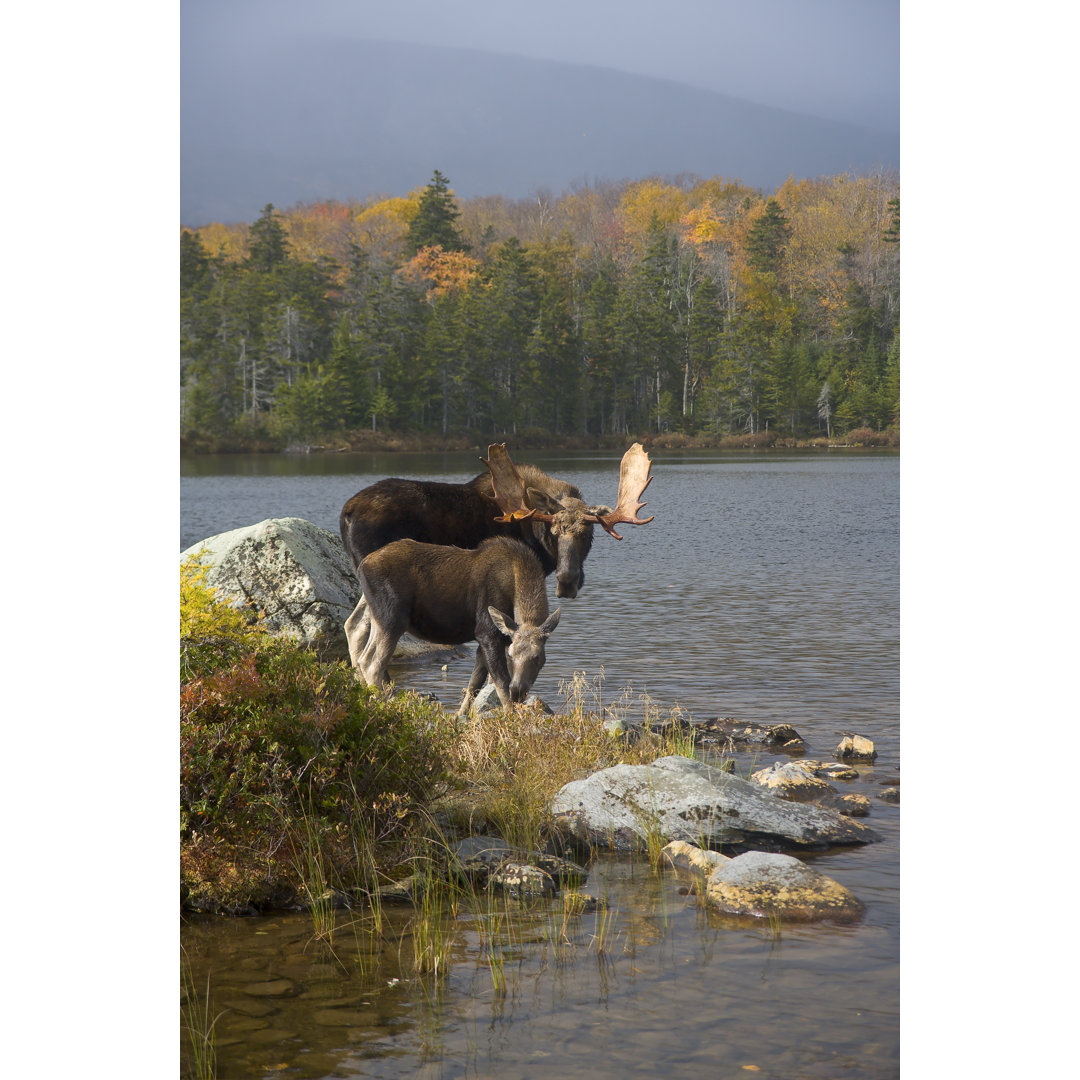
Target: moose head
{"type": "Point", "coordinates": [569, 520]}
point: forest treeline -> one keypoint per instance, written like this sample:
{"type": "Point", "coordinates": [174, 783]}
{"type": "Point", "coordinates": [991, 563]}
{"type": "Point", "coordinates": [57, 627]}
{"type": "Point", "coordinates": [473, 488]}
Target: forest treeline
{"type": "Point", "coordinates": [695, 306]}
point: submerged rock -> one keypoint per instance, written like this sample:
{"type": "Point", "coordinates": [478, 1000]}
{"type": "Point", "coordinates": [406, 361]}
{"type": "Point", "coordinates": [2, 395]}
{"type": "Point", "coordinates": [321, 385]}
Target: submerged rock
{"type": "Point", "coordinates": [856, 747]}
{"type": "Point", "coordinates": [487, 700]}
{"type": "Point", "coordinates": [728, 735]}
{"type": "Point", "coordinates": [764, 884]}
{"type": "Point", "coordinates": [792, 780]}
{"type": "Point", "coordinates": [680, 855]}
{"type": "Point", "coordinates": [678, 798]}
{"type": "Point", "coordinates": [521, 881]}
{"type": "Point", "coordinates": [852, 805]}
{"type": "Point", "coordinates": [271, 988]}
{"type": "Point", "coordinates": [490, 862]}
{"type": "Point", "coordinates": [831, 770]}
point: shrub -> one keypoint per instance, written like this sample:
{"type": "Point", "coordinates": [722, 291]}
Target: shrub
{"type": "Point", "coordinates": [212, 634]}
{"type": "Point", "coordinates": [865, 436]}
{"type": "Point", "coordinates": [279, 751]}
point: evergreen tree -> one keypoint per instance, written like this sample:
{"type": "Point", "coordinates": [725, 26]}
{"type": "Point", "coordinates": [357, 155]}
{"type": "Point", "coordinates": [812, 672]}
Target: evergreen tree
{"type": "Point", "coordinates": [554, 347]}
{"type": "Point", "coordinates": [435, 220]}
{"type": "Point", "coordinates": [598, 346]}
{"type": "Point", "coordinates": [890, 390]}
{"type": "Point", "coordinates": [767, 239]}
{"type": "Point", "coordinates": [891, 235]}
{"type": "Point", "coordinates": [194, 265]}
{"type": "Point", "coordinates": [508, 310]}
{"type": "Point", "coordinates": [268, 245]}
{"type": "Point", "coordinates": [647, 335]}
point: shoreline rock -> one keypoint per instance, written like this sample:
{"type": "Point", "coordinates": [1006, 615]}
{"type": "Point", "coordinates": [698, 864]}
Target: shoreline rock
{"type": "Point", "coordinates": [678, 798]}
{"type": "Point", "coordinates": [301, 577]}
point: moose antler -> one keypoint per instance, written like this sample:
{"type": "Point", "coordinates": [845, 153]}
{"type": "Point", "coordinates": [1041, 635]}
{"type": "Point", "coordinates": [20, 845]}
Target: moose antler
{"type": "Point", "coordinates": [507, 484]}
{"type": "Point", "coordinates": [634, 478]}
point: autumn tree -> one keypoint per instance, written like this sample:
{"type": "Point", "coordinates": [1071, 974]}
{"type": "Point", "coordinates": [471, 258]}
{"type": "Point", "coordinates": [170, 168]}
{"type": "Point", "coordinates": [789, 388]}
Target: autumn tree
{"type": "Point", "coordinates": [619, 307]}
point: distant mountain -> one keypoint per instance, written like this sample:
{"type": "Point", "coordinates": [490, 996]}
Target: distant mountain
{"type": "Point", "coordinates": [319, 118]}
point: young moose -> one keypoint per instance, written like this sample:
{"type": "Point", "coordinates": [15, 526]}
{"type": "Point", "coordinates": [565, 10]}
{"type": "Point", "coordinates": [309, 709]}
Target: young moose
{"type": "Point", "coordinates": [451, 595]}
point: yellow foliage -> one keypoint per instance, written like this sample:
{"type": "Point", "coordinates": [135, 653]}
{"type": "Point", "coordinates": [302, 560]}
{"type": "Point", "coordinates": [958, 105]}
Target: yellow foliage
{"type": "Point", "coordinates": [642, 200]}
{"type": "Point", "coordinates": [397, 208]}
{"type": "Point", "coordinates": [826, 215]}
{"type": "Point", "coordinates": [201, 612]}
{"type": "Point", "coordinates": [228, 240]}
{"type": "Point", "coordinates": [384, 224]}
{"type": "Point", "coordinates": [701, 225]}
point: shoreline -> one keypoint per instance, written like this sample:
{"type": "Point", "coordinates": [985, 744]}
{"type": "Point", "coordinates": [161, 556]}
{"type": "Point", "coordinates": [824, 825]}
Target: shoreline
{"type": "Point", "coordinates": [363, 441]}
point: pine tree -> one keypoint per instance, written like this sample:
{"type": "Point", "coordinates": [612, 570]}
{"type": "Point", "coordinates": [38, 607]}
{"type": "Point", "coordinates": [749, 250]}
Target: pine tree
{"type": "Point", "coordinates": [435, 220]}
{"type": "Point", "coordinates": [268, 245]}
{"type": "Point", "coordinates": [891, 234]}
{"type": "Point", "coordinates": [767, 238]}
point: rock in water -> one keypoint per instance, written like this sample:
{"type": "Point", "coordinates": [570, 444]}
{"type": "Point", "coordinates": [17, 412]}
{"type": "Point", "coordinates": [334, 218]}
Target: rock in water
{"type": "Point", "coordinates": [679, 798]}
{"type": "Point", "coordinates": [763, 884]}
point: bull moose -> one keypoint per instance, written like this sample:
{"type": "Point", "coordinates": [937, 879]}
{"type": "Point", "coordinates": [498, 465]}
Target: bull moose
{"type": "Point", "coordinates": [546, 514]}
{"type": "Point", "coordinates": [452, 595]}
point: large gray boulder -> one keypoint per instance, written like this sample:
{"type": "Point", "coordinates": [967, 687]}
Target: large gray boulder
{"type": "Point", "coordinates": [299, 575]}
{"type": "Point", "coordinates": [295, 572]}
{"type": "Point", "coordinates": [679, 798]}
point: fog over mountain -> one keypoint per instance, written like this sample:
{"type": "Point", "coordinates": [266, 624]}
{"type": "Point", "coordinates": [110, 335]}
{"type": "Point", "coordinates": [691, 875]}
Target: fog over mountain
{"type": "Point", "coordinates": [321, 117]}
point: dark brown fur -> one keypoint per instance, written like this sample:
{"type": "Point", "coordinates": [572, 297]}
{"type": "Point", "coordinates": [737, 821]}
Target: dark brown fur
{"type": "Point", "coordinates": [463, 515]}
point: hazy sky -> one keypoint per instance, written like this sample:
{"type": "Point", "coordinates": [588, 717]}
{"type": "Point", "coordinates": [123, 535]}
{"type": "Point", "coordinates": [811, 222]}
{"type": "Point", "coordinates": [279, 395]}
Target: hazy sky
{"type": "Point", "coordinates": [834, 58]}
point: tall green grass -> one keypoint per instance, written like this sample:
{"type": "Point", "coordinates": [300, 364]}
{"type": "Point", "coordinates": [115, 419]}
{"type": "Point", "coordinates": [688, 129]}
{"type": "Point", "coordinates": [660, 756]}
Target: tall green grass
{"type": "Point", "coordinates": [199, 1021]}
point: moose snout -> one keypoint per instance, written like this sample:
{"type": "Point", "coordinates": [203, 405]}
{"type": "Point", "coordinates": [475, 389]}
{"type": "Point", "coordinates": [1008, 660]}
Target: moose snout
{"type": "Point", "coordinates": [568, 589]}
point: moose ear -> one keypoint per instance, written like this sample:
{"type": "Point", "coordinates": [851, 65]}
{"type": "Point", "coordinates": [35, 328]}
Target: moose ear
{"type": "Point", "coordinates": [542, 501]}
{"type": "Point", "coordinates": [505, 625]}
{"type": "Point", "coordinates": [551, 622]}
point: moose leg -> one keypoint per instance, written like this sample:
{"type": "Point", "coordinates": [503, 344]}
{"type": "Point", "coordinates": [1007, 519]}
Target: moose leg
{"type": "Point", "coordinates": [493, 649]}
{"type": "Point", "coordinates": [477, 680]}
{"type": "Point", "coordinates": [357, 631]}
{"type": "Point", "coordinates": [376, 656]}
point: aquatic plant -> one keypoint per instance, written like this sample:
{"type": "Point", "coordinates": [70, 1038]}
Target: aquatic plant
{"type": "Point", "coordinates": [199, 1021]}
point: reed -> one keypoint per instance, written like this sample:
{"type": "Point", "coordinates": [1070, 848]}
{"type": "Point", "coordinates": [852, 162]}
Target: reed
{"type": "Point", "coordinates": [310, 866]}
{"type": "Point", "coordinates": [494, 926]}
{"type": "Point", "coordinates": [774, 923]}
{"type": "Point", "coordinates": [199, 1021]}
{"type": "Point", "coordinates": [604, 930]}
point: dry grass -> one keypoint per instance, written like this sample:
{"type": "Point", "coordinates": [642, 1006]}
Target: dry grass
{"type": "Point", "coordinates": [513, 763]}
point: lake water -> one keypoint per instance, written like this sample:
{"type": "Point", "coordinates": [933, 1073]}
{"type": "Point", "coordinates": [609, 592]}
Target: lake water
{"type": "Point", "coordinates": [766, 588]}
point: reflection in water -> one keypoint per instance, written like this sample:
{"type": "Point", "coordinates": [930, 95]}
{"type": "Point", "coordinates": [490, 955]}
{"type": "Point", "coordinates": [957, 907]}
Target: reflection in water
{"type": "Point", "coordinates": [767, 589]}
{"type": "Point", "coordinates": [671, 987]}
